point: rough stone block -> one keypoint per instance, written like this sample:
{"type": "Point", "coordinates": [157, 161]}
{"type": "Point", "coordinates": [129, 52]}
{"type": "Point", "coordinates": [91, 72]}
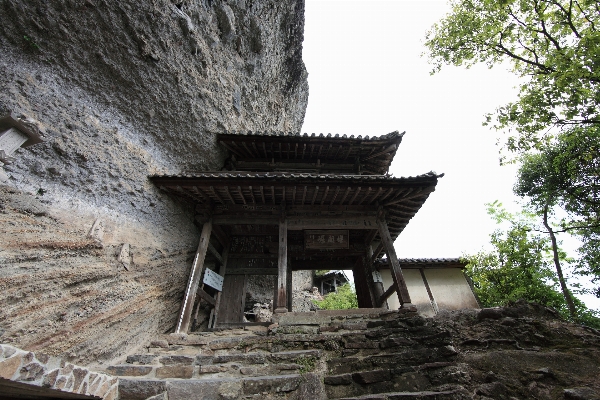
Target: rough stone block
{"type": "Point", "coordinates": [203, 360]}
{"type": "Point", "coordinates": [212, 369]}
{"type": "Point", "coordinates": [344, 379]}
{"type": "Point", "coordinates": [293, 355]}
{"type": "Point", "coordinates": [355, 326]}
{"type": "Point", "coordinates": [129, 370]}
{"type": "Point", "coordinates": [341, 365]}
{"type": "Point", "coordinates": [144, 359]}
{"type": "Point", "coordinates": [79, 375]}
{"type": "Point", "coordinates": [271, 384]}
{"type": "Point", "coordinates": [395, 342]}
{"type": "Point", "coordinates": [330, 328]}
{"type": "Point", "coordinates": [139, 389]}
{"type": "Point", "coordinates": [176, 360]}
{"type": "Point", "coordinates": [9, 366]}
{"type": "Point", "coordinates": [31, 372]}
{"type": "Point", "coordinates": [367, 377]}
{"type": "Point", "coordinates": [304, 318]}
{"type": "Point", "coordinates": [311, 387]}
{"type": "Point", "coordinates": [159, 343]}
{"type": "Point", "coordinates": [50, 378]}
{"type": "Point", "coordinates": [175, 371]}
{"type": "Point", "coordinates": [244, 358]}
{"type": "Point", "coordinates": [197, 389]}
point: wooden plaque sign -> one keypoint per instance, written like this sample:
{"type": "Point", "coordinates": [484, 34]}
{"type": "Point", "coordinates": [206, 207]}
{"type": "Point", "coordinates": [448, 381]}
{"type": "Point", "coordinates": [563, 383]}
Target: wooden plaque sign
{"type": "Point", "coordinates": [329, 239]}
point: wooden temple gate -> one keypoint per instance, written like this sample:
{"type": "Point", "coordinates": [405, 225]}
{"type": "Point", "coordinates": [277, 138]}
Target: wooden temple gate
{"type": "Point", "coordinates": [297, 202]}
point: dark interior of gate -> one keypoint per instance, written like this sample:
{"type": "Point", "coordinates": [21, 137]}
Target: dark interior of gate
{"type": "Point", "coordinates": [287, 202]}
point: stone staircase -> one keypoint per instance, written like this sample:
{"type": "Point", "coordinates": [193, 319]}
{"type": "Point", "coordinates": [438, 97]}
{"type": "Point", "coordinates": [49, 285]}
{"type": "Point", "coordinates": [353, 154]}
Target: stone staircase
{"type": "Point", "coordinates": [350, 354]}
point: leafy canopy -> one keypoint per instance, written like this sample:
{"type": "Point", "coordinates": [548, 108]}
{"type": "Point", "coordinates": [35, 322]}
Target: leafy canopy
{"type": "Point", "coordinates": [566, 173]}
{"type": "Point", "coordinates": [343, 299]}
{"type": "Point", "coordinates": [554, 45]}
{"type": "Point", "coordinates": [519, 267]}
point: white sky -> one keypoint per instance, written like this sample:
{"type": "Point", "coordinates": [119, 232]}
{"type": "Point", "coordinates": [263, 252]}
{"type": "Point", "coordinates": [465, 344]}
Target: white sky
{"type": "Point", "coordinates": [367, 77]}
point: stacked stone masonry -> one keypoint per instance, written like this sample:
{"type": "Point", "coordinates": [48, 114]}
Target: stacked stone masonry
{"type": "Point", "coordinates": [512, 353]}
{"type": "Point", "coordinates": [46, 372]}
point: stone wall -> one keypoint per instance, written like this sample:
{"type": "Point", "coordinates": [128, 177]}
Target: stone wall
{"type": "Point", "coordinates": [95, 257]}
{"type": "Point", "coordinates": [28, 374]}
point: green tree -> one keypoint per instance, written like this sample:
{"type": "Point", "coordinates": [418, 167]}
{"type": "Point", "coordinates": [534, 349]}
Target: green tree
{"type": "Point", "coordinates": [565, 173]}
{"type": "Point", "coordinates": [343, 299]}
{"type": "Point", "coordinates": [518, 266]}
{"type": "Point", "coordinates": [553, 45]}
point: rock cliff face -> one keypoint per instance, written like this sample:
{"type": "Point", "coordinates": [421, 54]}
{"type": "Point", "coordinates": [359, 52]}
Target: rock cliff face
{"type": "Point", "coordinates": [93, 257]}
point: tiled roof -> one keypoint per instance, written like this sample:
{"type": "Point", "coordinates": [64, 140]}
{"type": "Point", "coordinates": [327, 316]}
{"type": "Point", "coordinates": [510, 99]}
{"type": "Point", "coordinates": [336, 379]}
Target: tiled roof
{"type": "Point", "coordinates": [391, 135]}
{"type": "Point", "coordinates": [291, 175]}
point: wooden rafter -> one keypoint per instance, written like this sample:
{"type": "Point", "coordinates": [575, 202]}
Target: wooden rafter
{"type": "Point", "coordinates": [229, 195]}
{"type": "Point", "coordinates": [325, 194]}
{"type": "Point", "coordinates": [358, 189]}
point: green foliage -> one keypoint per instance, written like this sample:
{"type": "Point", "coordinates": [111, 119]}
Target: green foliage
{"type": "Point", "coordinates": [553, 45]}
{"type": "Point", "coordinates": [343, 299]}
{"type": "Point", "coordinates": [566, 173]}
{"type": "Point", "coordinates": [307, 364]}
{"type": "Point", "coordinates": [30, 43]}
{"type": "Point", "coordinates": [321, 272]}
{"type": "Point", "coordinates": [519, 267]}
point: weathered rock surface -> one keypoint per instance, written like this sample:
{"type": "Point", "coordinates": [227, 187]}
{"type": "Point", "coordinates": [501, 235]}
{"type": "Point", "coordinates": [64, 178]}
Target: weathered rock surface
{"type": "Point", "coordinates": [93, 257]}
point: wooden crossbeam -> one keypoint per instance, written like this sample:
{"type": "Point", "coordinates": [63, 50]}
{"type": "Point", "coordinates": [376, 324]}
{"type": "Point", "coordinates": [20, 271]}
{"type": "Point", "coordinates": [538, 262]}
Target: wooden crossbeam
{"type": "Point", "coordinates": [387, 294]}
{"type": "Point", "coordinates": [215, 253]}
{"type": "Point", "coordinates": [207, 297]}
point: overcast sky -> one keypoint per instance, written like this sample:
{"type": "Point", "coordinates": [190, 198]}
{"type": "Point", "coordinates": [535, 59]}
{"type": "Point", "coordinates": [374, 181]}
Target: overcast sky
{"type": "Point", "coordinates": [367, 76]}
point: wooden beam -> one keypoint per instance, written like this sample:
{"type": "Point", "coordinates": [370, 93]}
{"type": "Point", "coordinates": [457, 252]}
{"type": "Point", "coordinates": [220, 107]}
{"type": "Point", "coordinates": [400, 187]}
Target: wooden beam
{"type": "Point", "coordinates": [395, 269]}
{"type": "Point", "coordinates": [187, 305]}
{"type": "Point", "coordinates": [242, 220]}
{"type": "Point", "coordinates": [252, 271]}
{"type": "Point", "coordinates": [282, 267]}
{"type": "Point", "coordinates": [299, 223]}
{"type": "Point", "coordinates": [387, 293]}
{"type": "Point", "coordinates": [206, 297]}
{"type": "Point", "coordinates": [376, 252]}
{"type": "Point", "coordinates": [215, 253]}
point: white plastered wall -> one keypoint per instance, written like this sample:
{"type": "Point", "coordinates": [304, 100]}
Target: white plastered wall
{"type": "Point", "coordinates": [416, 290]}
{"type": "Point", "coordinates": [450, 289]}
{"type": "Point", "coordinates": [448, 286]}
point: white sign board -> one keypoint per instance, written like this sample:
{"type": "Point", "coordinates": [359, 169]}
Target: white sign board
{"type": "Point", "coordinates": [11, 140]}
{"type": "Point", "coordinates": [213, 279]}
{"type": "Point", "coordinates": [377, 277]}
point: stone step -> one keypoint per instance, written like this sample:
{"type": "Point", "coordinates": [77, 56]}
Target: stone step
{"type": "Point", "coordinates": [188, 367]}
{"type": "Point", "coordinates": [456, 394]}
{"type": "Point", "coordinates": [398, 361]}
{"type": "Point", "coordinates": [409, 379]}
{"type": "Point", "coordinates": [205, 389]}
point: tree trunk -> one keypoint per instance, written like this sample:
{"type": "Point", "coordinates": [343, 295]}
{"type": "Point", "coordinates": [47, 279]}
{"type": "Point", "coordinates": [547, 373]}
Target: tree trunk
{"type": "Point", "coordinates": [561, 279]}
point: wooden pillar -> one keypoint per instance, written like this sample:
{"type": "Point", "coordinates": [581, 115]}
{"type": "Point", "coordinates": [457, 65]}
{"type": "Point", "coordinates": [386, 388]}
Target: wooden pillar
{"type": "Point", "coordinates": [289, 286]}
{"type": "Point", "coordinates": [222, 272]}
{"type": "Point", "coordinates": [376, 288]}
{"type": "Point", "coordinates": [361, 284]}
{"type": "Point", "coordinates": [281, 303]}
{"type": "Point", "coordinates": [183, 323]}
{"type": "Point", "coordinates": [397, 276]}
